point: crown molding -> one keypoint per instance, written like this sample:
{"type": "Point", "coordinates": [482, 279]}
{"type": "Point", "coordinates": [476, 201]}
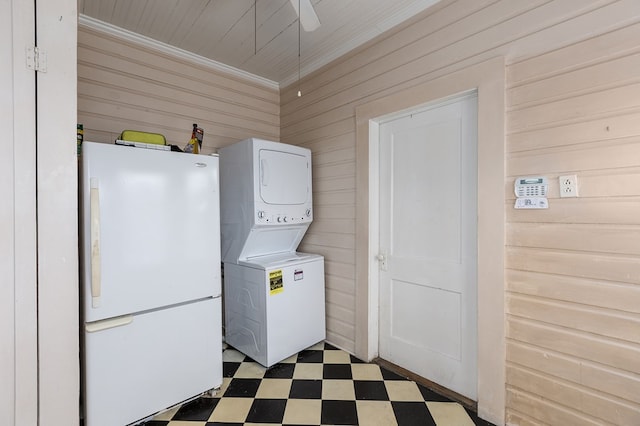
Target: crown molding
{"type": "Point", "coordinates": [130, 36]}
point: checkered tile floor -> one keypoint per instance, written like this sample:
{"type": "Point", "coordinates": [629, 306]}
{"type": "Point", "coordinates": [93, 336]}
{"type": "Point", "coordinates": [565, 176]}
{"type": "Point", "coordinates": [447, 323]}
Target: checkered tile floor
{"type": "Point", "coordinates": [319, 386]}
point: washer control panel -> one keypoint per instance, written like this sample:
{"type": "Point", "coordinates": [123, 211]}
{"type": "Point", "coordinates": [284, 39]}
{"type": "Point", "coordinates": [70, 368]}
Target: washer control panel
{"type": "Point", "coordinates": [303, 215]}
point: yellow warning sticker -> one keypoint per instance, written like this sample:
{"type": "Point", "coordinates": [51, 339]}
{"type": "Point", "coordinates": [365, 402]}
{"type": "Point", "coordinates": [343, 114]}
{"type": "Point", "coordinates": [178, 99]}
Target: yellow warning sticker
{"type": "Point", "coordinates": [275, 282]}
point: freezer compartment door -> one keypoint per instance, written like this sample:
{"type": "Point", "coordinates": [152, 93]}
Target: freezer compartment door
{"type": "Point", "coordinates": [150, 227]}
{"type": "Point", "coordinates": [135, 366]}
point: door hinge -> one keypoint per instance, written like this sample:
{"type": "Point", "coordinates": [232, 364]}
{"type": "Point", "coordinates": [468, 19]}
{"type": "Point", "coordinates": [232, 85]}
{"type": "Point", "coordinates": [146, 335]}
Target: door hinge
{"type": "Point", "coordinates": [36, 59]}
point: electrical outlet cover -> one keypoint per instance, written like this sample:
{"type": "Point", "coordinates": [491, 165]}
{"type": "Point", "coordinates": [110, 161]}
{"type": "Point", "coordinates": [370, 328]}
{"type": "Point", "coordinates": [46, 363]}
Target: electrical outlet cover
{"type": "Point", "coordinates": [568, 186]}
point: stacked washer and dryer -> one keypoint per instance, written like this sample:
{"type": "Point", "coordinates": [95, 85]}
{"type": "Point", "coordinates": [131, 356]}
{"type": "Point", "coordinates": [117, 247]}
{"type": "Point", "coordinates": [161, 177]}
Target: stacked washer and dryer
{"type": "Point", "coordinates": [273, 295]}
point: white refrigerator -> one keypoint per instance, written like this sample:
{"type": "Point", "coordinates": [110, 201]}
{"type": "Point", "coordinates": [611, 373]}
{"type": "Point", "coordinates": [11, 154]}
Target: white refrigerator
{"type": "Point", "coordinates": [150, 281]}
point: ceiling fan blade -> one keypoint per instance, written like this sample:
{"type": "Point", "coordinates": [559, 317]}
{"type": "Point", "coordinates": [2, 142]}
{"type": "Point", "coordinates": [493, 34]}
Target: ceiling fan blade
{"type": "Point", "coordinates": [307, 14]}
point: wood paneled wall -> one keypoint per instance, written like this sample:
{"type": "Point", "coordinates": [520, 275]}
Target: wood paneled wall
{"type": "Point", "coordinates": [572, 282]}
{"type": "Point", "coordinates": [126, 85]}
{"type": "Point", "coordinates": [573, 271]}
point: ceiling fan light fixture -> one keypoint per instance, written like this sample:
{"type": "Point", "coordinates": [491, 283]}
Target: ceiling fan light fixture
{"type": "Point", "coordinates": [299, 49]}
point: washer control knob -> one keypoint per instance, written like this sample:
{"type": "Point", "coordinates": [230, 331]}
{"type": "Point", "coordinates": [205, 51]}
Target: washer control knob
{"type": "Point", "coordinates": [261, 214]}
{"type": "Point", "coordinates": [284, 219]}
{"type": "Point", "coordinates": [308, 212]}
{"type": "Point", "coordinates": [279, 219]}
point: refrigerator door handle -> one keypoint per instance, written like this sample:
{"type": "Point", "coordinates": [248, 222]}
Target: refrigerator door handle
{"type": "Point", "coordinates": [108, 323]}
{"type": "Point", "coordinates": [96, 285]}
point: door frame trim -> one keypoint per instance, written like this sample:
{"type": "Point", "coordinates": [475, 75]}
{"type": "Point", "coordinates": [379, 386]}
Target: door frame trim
{"type": "Point", "coordinates": [488, 78]}
{"type": "Point", "coordinates": [18, 259]}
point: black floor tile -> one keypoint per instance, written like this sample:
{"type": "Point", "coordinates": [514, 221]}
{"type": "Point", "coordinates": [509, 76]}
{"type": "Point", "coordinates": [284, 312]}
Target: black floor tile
{"type": "Point", "coordinates": [390, 375]}
{"type": "Point", "coordinates": [355, 360]}
{"type": "Point", "coordinates": [267, 411]}
{"type": "Point", "coordinates": [339, 413]}
{"type": "Point", "coordinates": [155, 423]}
{"type": "Point", "coordinates": [230, 368]}
{"type": "Point", "coordinates": [330, 347]}
{"type": "Point", "coordinates": [223, 424]}
{"type": "Point", "coordinates": [412, 414]}
{"type": "Point", "coordinates": [430, 395]}
{"type": "Point", "coordinates": [311, 356]}
{"type": "Point", "coordinates": [243, 388]}
{"type": "Point", "coordinates": [197, 410]}
{"type": "Point", "coordinates": [336, 371]}
{"type": "Point", "coordinates": [280, 371]}
{"type": "Point", "coordinates": [306, 389]}
{"type": "Point", "coordinates": [371, 390]}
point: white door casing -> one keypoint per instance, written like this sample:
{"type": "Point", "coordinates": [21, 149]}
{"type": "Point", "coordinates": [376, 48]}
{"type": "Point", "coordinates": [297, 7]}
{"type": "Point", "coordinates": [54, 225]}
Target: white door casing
{"type": "Point", "coordinates": [18, 282]}
{"type": "Point", "coordinates": [428, 243]}
{"type": "Point", "coordinates": [488, 78]}
{"type": "Point", "coordinates": [57, 198]}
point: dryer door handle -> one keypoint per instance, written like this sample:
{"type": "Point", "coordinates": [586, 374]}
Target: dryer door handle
{"type": "Point", "coordinates": [264, 173]}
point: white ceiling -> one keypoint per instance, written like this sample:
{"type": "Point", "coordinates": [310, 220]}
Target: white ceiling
{"type": "Point", "coordinates": [223, 30]}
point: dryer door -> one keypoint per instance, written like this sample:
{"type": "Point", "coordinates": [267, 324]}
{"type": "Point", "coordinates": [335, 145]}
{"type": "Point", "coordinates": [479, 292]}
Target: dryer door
{"type": "Point", "coordinates": [285, 178]}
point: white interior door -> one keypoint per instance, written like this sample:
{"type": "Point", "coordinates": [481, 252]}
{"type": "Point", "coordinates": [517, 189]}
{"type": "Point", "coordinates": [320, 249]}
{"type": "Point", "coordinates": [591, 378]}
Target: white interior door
{"type": "Point", "coordinates": [428, 243]}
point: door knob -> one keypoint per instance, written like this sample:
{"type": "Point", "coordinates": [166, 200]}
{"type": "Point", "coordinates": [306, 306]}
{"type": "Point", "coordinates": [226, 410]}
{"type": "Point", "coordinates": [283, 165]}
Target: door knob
{"type": "Point", "coordinates": [382, 258]}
